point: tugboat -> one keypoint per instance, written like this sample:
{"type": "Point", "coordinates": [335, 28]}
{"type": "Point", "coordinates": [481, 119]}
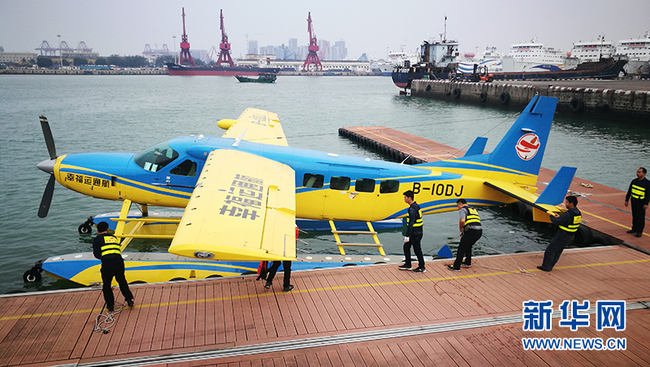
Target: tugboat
{"type": "Point", "coordinates": [261, 78]}
{"type": "Point", "coordinates": [438, 60]}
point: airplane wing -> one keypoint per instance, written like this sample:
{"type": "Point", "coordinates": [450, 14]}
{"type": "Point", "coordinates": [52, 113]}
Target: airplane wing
{"type": "Point", "coordinates": [242, 209]}
{"type": "Point", "coordinates": [258, 126]}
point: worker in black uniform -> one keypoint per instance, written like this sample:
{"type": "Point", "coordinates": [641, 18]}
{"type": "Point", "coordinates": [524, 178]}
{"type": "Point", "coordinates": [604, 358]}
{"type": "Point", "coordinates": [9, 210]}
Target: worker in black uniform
{"type": "Point", "coordinates": [639, 191]}
{"type": "Point", "coordinates": [471, 230]}
{"type": "Point", "coordinates": [106, 247]}
{"type": "Point", "coordinates": [413, 234]}
{"type": "Point", "coordinates": [568, 224]}
{"type": "Point", "coordinates": [286, 266]}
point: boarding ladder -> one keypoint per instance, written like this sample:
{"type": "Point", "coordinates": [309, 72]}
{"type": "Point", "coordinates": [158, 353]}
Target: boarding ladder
{"type": "Point", "coordinates": [370, 231]}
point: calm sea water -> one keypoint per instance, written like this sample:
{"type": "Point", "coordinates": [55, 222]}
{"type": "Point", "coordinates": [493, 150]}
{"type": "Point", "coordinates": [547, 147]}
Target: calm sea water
{"type": "Point", "coordinates": [130, 113]}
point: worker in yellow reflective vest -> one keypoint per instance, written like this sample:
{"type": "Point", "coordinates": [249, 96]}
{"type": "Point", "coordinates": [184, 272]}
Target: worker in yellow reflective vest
{"type": "Point", "coordinates": [568, 224]}
{"type": "Point", "coordinates": [639, 192]}
{"type": "Point", "coordinates": [471, 230]}
{"type": "Point", "coordinates": [106, 247]}
{"type": "Point", "coordinates": [413, 235]}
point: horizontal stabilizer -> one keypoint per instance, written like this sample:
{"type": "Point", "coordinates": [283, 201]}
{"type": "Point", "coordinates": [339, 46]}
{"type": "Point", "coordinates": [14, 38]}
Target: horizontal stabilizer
{"type": "Point", "coordinates": [524, 195]}
{"type": "Point", "coordinates": [555, 192]}
{"type": "Point", "coordinates": [477, 148]}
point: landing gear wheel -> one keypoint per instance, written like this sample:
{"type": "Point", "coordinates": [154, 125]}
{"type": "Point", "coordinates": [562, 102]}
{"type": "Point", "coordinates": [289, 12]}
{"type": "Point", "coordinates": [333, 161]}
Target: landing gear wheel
{"type": "Point", "coordinates": [85, 228]}
{"type": "Point", "coordinates": [32, 275]}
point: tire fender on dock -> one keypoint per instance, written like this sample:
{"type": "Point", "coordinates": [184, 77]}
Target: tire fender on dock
{"type": "Point", "coordinates": [576, 105]}
{"type": "Point", "coordinates": [457, 93]}
{"type": "Point", "coordinates": [505, 98]}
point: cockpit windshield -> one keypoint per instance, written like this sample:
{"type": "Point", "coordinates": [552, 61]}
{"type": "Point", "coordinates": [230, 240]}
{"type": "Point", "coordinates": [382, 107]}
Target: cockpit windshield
{"type": "Point", "coordinates": [156, 157]}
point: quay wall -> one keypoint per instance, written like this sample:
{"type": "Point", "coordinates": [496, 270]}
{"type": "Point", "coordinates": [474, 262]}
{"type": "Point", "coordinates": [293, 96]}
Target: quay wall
{"type": "Point", "coordinates": [85, 72]}
{"type": "Point", "coordinates": [571, 100]}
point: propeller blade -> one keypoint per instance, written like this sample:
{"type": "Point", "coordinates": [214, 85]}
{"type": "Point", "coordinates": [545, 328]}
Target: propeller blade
{"type": "Point", "coordinates": [47, 134]}
{"type": "Point", "coordinates": [47, 198]}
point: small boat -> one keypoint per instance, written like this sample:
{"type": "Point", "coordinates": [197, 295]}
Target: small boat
{"type": "Point", "coordinates": [261, 78]}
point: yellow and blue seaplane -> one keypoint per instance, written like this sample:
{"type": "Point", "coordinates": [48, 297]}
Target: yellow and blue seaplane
{"type": "Point", "coordinates": [242, 193]}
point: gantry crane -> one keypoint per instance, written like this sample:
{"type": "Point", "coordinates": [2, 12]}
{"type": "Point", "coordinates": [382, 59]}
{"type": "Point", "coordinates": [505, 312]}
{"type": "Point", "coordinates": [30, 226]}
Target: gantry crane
{"type": "Point", "coordinates": [312, 57]}
{"type": "Point", "coordinates": [224, 46]}
{"type": "Point", "coordinates": [185, 57]}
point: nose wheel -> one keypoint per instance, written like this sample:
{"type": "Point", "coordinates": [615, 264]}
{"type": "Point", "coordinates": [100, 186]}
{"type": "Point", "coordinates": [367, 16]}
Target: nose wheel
{"type": "Point", "coordinates": [34, 274]}
{"type": "Point", "coordinates": [86, 227]}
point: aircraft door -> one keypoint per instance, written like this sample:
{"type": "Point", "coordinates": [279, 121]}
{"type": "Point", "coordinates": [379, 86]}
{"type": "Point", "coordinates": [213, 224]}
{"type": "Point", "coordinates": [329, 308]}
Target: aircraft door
{"type": "Point", "coordinates": [180, 176]}
{"type": "Point", "coordinates": [351, 198]}
{"type": "Point", "coordinates": [310, 194]}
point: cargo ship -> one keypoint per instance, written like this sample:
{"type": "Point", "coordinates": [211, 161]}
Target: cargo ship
{"type": "Point", "coordinates": [604, 69]}
{"type": "Point", "coordinates": [177, 69]}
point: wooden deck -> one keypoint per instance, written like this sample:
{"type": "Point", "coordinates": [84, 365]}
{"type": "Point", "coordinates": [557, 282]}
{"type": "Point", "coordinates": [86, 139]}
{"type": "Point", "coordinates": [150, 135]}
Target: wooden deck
{"type": "Point", "coordinates": [602, 207]}
{"type": "Point", "coordinates": [364, 316]}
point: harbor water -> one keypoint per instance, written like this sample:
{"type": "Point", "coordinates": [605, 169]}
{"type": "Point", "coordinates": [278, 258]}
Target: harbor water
{"type": "Point", "coordinates": [129, 113]}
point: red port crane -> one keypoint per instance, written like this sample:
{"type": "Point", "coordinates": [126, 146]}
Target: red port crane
{"type": "Point", "coordinates": [312, 57]}
{"type": "Point", "coordinates": [185, 57]}
{"type": "Point", "coordinates": [224, 47]}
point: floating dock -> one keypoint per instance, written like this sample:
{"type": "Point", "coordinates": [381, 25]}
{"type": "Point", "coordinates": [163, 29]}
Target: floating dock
{"type": "Point", "coordinates": [371, 315]}
{"type": "Point", "coordinates": [364, 316]}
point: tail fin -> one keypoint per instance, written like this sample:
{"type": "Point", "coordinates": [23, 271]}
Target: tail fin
{"type": "Point", "coordinates": [522, 148]}
{"type": "Point", "coordinates": [477, 148]}
{"type": "Point", "coordinates": [556, 190]}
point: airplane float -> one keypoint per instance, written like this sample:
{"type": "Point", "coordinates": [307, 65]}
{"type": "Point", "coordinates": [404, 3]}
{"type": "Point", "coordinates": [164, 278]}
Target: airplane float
{"type": "Point", "coordinates": [242, 192]}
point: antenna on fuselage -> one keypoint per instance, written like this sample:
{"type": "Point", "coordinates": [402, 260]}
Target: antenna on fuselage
{"type": "Point", "coordinates": [409, 156]}
{"type": "Point", "coordinates": [239, 138]}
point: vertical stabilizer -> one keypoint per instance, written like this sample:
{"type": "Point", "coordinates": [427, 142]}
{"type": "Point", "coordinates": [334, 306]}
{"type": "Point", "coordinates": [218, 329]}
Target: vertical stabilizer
{"type": "Point", "coordinates": [477, 148]}
{"type": "Point", "coordinates": [522, 148]}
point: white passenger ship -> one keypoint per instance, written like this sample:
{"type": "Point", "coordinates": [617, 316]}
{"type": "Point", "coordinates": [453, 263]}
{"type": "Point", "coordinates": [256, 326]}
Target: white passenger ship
{"type": "Point", "coordinates": [593, 51]}
{"type": "Point", "coordinates": [397, 59]}
{"type": "Point", "coordinates": [533, 56]}
{"type": "Point", "coordinates": [490, 58]}
{"type": "Point", "coordinates": [638, 52]}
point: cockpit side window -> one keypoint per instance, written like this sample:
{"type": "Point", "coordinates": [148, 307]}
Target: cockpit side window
{"type": "Point", "coordinates": [156, 157]}
{"type": "Point", "coordinates": [187, 168]}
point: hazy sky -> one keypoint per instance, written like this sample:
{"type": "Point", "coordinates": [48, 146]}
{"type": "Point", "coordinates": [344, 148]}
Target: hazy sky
{"type": "Point", "coordinates": [124, 26]}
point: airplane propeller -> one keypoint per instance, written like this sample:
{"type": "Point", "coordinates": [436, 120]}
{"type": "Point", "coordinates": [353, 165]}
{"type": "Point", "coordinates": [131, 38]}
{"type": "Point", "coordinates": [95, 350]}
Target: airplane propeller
{"type": "Point", "coordinates": [47, 166]}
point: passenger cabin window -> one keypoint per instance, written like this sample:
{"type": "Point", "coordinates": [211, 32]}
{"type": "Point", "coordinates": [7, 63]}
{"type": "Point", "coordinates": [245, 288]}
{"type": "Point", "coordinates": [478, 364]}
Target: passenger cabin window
{"type": "Point", "coordinates": [365, 185]}
{"type": "Point", "coordinates": [340, 183]}
{"type": "Point", "coordinates": [187, 168]}
{"type": "Point", "coordinates": [388, 186]}
{"type": "Point", "coordinates": [313, 181]}
{"type": "Point", "coordinates": [156, 157]}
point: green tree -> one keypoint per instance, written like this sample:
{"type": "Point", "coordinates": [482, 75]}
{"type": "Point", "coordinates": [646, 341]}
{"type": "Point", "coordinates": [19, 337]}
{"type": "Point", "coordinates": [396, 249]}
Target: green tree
{"type": "Point", "coordinates": [199, 62]}
{"type": "Point", "coordinates": [44, 62]}
{"type": "Point", "coordinates": [162, 60]}
{"type": "Point", "coordinates": [114, 60]}
{"type": "Point", "coordinates": [101, 61]}
{"type": "Point", "coordinates": [135, 61]}
{"type": "Point", "coordinates": [79, 61]}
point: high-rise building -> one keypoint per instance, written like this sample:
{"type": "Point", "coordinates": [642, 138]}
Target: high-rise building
{"type": "Point", "coordinates": [339, 52]}
{"type": "Point", "coordinates": [252, 47]}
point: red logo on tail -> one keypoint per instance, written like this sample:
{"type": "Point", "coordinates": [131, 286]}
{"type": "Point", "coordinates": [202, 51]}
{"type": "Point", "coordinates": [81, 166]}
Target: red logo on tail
{"type": "Point", "coordinates": [527, 146]}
